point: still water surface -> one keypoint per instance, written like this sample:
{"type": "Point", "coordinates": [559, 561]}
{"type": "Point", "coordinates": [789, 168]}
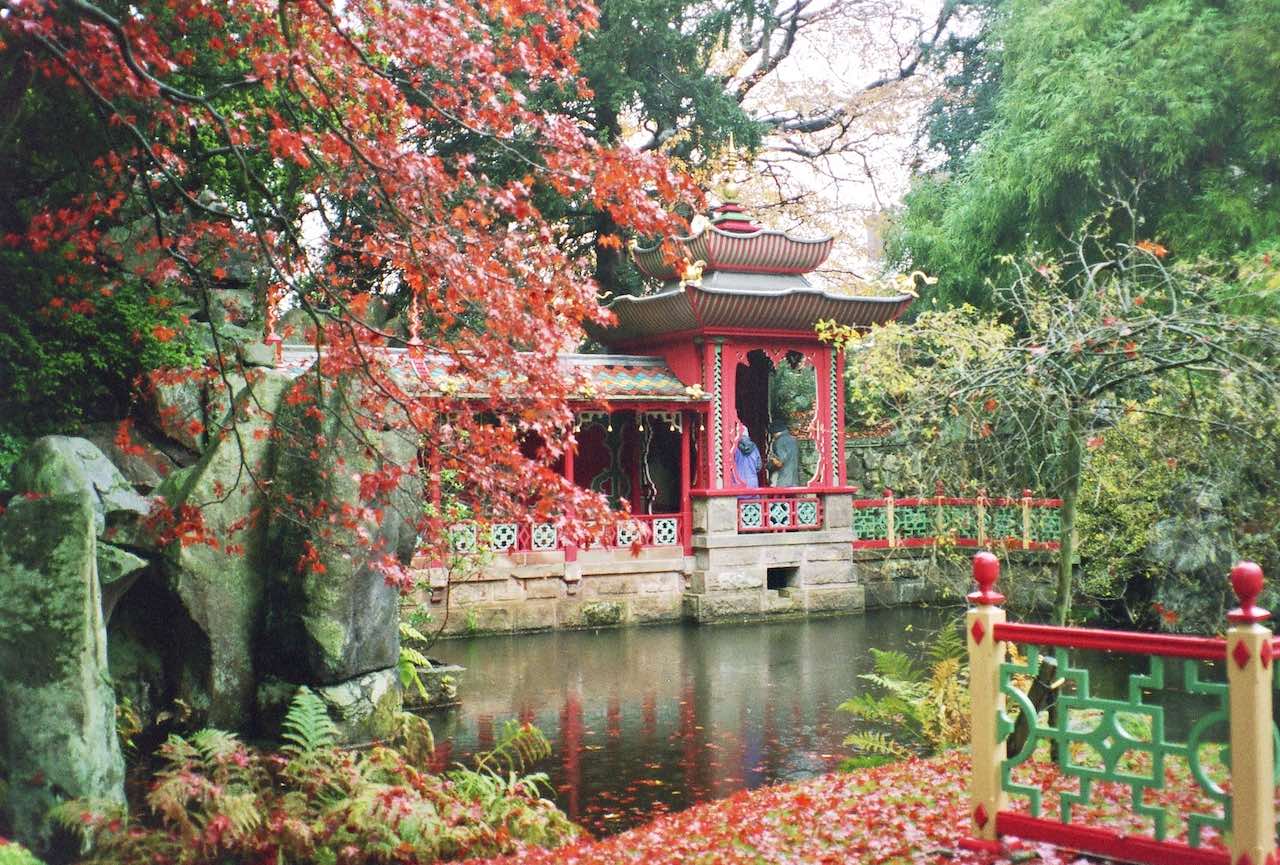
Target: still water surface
{"type": "Point", "coordinates": [647, 720]}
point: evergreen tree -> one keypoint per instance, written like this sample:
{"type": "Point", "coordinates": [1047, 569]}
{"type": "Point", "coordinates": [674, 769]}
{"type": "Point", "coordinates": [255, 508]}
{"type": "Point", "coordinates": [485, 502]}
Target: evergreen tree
{"type": "Point", "coordinates": [1168, 105]}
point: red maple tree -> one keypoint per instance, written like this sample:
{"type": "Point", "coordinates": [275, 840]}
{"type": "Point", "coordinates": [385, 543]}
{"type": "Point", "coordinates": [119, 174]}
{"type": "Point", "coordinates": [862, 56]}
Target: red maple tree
{"type": "Point", "coordinates": [346, 151]}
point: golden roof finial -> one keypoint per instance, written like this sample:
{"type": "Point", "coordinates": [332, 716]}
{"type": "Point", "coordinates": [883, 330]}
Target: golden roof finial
{"type": "Point", "coordinates": [729, 186]}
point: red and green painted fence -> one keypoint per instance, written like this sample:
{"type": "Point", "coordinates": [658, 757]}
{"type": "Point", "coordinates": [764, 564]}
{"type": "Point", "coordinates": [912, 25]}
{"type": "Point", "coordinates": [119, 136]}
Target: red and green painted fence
{"type": "Point", "coordinates": [1124, 743]}
{"type": "Point", "coordinates": [1025, 523]}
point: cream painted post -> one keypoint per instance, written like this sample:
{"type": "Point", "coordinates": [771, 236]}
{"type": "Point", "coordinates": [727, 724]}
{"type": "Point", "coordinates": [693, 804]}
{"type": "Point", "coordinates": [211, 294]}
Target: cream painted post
{"type": "Point", "coordinates": [982, 517]}
{"type": "Point", "coordinates": [986, 798]}
{"type": "Point", "coordinates": [939, 524]}
{"type": "Point", "coordinates": [888, 517]}
{"type": "Point", "coordinates": [1253, 840]}
{"type": "Point", "coordinates": [1026, 519]}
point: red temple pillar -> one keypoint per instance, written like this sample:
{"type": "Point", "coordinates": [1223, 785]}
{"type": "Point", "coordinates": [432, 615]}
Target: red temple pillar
{"type": "Point", "coordinates": [842, 468]}
{"type": "Point", "coordinates": [686, 505]}
{"type": "Point", "coordinates": [570, 550]}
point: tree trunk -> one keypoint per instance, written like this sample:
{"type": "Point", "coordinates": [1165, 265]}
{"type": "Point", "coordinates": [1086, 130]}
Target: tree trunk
{"type": "Point", "coordinates": [608, 259]}
{"type": "Point", "coordinates": [1070, 488]}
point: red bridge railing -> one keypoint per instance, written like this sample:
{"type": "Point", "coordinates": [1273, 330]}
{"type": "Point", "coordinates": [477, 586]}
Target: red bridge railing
{"type": "Point", "coordinates": [1216, 811]}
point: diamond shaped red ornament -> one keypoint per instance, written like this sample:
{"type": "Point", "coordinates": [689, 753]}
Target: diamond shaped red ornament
{"type": "Point", "coordinates": [978, 633]}
{"type": "Point", "coordinates": [1241, 654]}
{"type": "Point", "coordinates": [980, 816]}
{"type": "Point", "coordinates": [1244, 857]}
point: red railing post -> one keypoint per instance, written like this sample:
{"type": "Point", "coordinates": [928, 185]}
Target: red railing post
{"type": "Point", "coordinates": [982, 517]}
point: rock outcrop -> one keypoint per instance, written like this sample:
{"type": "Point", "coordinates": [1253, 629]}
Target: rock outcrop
{"type": "Point", "coordinates": [332, 615]}
{"type": "Point", "coordinates": [57, 708]}
{"type": "Point", "coordinates": [223, 585]}
{"type": "Point", "coordinates": [62, 465]}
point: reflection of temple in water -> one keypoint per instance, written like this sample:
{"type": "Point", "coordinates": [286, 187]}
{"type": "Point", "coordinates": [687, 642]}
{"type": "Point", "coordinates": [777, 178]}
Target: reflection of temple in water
{"type": "Point", "coordinates": [647, 719]}
{"type": "Point", "coordinates": [719, 421]}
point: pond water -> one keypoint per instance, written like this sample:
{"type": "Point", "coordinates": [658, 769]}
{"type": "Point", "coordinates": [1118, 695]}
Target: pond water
{"type": "Point", "coordinates": [647, 720]}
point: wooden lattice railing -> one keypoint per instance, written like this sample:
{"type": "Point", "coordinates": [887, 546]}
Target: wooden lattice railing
{"type": "Point", "coordinates": [1223, 812]}
{"type": "Point", "coordinates": [888, 522]}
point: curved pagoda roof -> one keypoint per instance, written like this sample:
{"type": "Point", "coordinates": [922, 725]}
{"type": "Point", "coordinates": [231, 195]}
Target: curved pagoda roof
{"type": "Point", "coordinates": [610, 378]}
{"type": "Point", "coordinates": [732, 275]}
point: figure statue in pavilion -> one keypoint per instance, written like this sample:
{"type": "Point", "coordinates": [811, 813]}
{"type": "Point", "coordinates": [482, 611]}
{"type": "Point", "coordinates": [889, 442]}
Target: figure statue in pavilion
{"type": "Point", "coordinates": [784, 456]}
{"type": "Point", "coordinates": [746, 463]}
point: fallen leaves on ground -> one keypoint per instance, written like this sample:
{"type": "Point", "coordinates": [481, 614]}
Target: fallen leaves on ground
{"type": "Point", "coordinates": [909, 812]}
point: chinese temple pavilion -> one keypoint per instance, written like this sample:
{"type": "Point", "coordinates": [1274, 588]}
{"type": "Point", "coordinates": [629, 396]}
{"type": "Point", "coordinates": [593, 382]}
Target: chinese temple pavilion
{"type": "Point", "coordinates": [718, 417]}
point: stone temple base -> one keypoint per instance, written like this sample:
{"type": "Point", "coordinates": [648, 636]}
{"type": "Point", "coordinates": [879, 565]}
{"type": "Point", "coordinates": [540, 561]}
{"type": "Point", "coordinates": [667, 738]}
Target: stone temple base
{"type": "Point", "coordinates": [767, 575]}
{"type": "Point", "coordinates": [732, 575]}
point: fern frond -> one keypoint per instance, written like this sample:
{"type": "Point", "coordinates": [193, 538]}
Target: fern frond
{"type": "Point", "coordinates": [215, 746]}
{"type": "Point", "coordinates": [409, 632]}
{"type": "Point", "coordinates": [948, 643]}
{"type": "Point", "coordinates": [243, 810]}
{"type": "Point", "coordinates": [518, 745]}
{"type": "Point", "coordinates": [868, 707]}
{"type": "Point", "coordinates": [414, 738]}
{"type": "Point", "coordinates": [903, 689]}
{"type": "Point", "coordinates": [877, 743]}
{"type": "Point", "coordinates": [413, 656]}
{"type": "Point", "coordinates": [892, 664]}
{"type": "Point", "coordinates": [307, 727]}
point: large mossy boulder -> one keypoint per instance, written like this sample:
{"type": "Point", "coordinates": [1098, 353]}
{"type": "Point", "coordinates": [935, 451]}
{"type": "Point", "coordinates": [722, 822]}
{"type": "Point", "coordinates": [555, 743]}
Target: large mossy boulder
{"type": "Point", "coordinates": [222, 582]}
{"type": "Point", "coordinates": [332, 615]}
{"type": "Point", "coordinates": [57, 709]}
{"type": "Point", "coordinates": [63, 465]}
{"type": "Point", "coordinates": [362, 709]}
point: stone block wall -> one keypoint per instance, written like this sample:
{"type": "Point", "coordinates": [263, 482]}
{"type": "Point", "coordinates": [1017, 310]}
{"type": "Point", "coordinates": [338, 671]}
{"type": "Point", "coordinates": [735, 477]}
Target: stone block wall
{"type": "Point", "coordinates": [604, 588]}
{"type": "Point", "coordinates": [728, 577]}
{"type": "Point", "coordinates": [924, 575]}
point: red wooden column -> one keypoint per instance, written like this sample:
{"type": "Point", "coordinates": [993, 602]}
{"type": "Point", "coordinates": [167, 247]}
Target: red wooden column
{"type": "Point", "coordinates": [637, 456]}
{"type": "Point", "coordinates": [842, 468]}
{"type": "Point", "coordinates": [436, 524]}
{"type": "Point", "coordinates": [570, 550]}
{"type": "Point", "coordinates": [686, 506]}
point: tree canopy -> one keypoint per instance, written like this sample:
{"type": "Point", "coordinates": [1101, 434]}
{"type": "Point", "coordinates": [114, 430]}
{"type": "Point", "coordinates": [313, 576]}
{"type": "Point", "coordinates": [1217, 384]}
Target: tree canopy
{"type": "Point", "coordinates": [163, 152]}
{"type": "Point", "coordinates": [1166, 104]}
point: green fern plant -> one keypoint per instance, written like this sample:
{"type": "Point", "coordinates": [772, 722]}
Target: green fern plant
{"type": "Point", "coordinates": [917, 709]}
{"type": "Point", "coordinates": [216, 801]}
{"type": "Point", "coordinates": [517, 747]}
{"type": "Point", "coordinates": [411, 660]}
{"type": "Point", "coordinates": [307, 727]}
{"type": "Point", "coordinates": [13, 853]}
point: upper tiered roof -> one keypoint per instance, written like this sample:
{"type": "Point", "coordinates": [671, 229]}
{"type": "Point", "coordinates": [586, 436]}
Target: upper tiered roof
{"type": "Point", "coordinates": [734, 274]}
{"type": "Point", "coordinates": [734, 243]}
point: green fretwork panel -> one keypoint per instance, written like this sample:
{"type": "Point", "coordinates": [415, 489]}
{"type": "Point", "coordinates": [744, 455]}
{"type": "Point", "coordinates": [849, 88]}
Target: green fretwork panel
{"type": "Point", "coordinates": [960, 520]}
{"type": "Point", "coordinates": [1004, 522]}
{"type": "Point", "coordinates": [913, 522]}
{"type": "Point", "coordinates": [1046, 524]}
{"type": "Point", "coordinates": [870, 524]}
{"type": "Point", "coordinates": [1128, 726]}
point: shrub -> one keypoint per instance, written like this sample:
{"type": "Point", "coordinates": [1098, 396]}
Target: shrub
{"type": "Point", "coordinates": [920, 710]}
{"type": "Point", "coordinates": [216, 800]}
{"type": "Point", "coordinates": [13, 853]}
